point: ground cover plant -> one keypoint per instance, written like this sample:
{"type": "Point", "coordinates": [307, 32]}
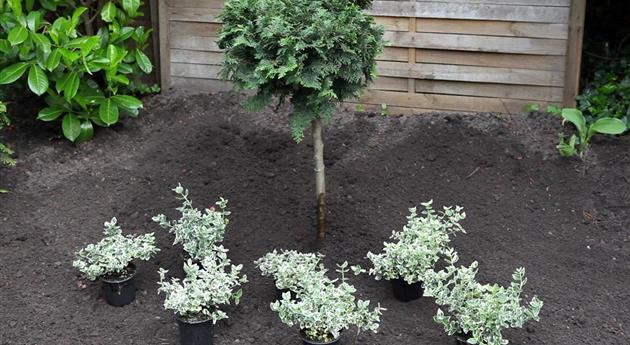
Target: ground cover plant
{"type": "Point", "coordinates": [313, 53]}
{"type": "Point", "coordinates": [205, 288]}
{"type": "Point", "coordinates": [578, 144]}
{"type": "Point", "coordinates": [197, 231]}
{"type": "Point", "coordinates": [82, 57]}
{"type": "Point", "coordinates": [288, 267]}
{"type": "Point", "coordinates": [324, 308]}
{"type": "Point", "coordinates": [5, 151]}
{"type": "Point", "coordinates": [418, 247]}
{"type": "Point", "coordinates": [111, 256]}
{"type": "Point", "coordinates": [476, 312]}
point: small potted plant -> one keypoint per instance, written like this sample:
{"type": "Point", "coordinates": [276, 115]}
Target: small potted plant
{"type": "Point", "coordinates": [477, 313]}
{"type": "Point", "coordinates": [288, 267]}
{"type": "Point", "coordinates": [323, 309]}
{"type": "Point", "coordinates": [111, 261]}
{"type": "Point", "coordinates": [198, 297]}
{"type": "Point", "coordinates": [198, 232]}
{"type": "Point", "coordinates": [416, 249]}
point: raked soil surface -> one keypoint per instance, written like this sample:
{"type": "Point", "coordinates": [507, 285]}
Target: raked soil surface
{"type": "Point", "coordinates": [566, 221]}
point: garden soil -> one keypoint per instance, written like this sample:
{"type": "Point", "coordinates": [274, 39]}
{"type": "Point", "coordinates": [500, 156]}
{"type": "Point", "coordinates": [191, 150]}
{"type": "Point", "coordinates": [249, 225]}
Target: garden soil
{"type": "Point", "coordinates": [566, 221]}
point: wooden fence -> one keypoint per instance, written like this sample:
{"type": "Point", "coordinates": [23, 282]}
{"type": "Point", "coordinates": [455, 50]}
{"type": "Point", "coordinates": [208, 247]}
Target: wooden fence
{"type": "Point", "coordinates": [447, 55]}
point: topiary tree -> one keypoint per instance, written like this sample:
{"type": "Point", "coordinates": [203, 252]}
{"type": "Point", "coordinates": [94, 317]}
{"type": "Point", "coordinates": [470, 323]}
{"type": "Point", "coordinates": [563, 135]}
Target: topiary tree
{"type": "Point", "coordinates": [313, 53]}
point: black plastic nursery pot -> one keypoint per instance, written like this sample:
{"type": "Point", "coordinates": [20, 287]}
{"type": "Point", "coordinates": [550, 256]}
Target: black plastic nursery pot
{"type": "Point", "coordinates": [306, 341]}
{"type": "Point", "coordinates": [406, 292]}
{"type": "Point", "coordinates": [462, 338]}
{"type": "Point", "coordinates": [195, 332]}
{"type": "Point", "coordinates": [120, 291]}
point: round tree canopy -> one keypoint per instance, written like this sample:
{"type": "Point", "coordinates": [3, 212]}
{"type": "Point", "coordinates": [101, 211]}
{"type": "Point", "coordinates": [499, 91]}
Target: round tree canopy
{"type": "Point", "coordinates": [315, 53]}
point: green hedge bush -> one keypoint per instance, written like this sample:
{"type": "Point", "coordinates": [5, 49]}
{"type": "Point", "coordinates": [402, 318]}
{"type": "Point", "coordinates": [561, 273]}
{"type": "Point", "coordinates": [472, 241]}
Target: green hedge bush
{"type": "Point", "coordinates": [83, 60]}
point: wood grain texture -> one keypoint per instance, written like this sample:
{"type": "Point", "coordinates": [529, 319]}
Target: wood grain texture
{"type": "Point", "coordinates": [493, 44]}
{"type": "Point", "coordinates": [488, 28]}
{"type": "Point", "coordinates": [471, 73]}
{"type": "Point", "coordinates": [445, 55]}
{"type": "Point", "coordinates": [574, 47]}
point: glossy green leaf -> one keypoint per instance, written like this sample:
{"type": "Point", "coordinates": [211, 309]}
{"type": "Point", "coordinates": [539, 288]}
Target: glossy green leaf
{"type": "Point", "coordinates": [108, 112]}
{"type": "Point", "coordinates": [49, 114]}
{"type": "Point", "coordinates": [37, 80]}
{"type": "Point", "coordinates": [71, 127]}
{"type": "Point", "coordinates": [53, 60]}
{"type": "Point", "coordinates": [33, 19]}
{"type": "Point", "coordinates": [108, 13]}
{"type": "Point", "coordinates": [16, 7]}
{"type": "Point", "coordinates": [128, 102]}
{"type": "Point", "coordinates": [42, 42]}
{"type": "Point", "coordinates": [12, 73]}
{"type": "Point", "coordinates": [17, 35]}
{"type": "Point", "coordinates": [87, 131]}
{"type": "Point", "coordinates": [575, 117]}
{"type": "Point", "coordinates": [76, 15]}
{"type": "Point", "coordinates": [71, 86]}
{"type": "Point", "coordinates": [143, 62]}
{"type": "Point", "coordinates": [607, 125]}
{"type": "Point", "coordinates": [131, 6]}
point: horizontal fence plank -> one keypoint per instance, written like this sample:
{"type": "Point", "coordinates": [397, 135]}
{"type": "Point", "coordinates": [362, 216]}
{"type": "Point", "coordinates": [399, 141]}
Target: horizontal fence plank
{"type": "Point", "coordinates": [394, 110]}
{"type": "Point", "coordinates": [489, 28]}
{"type": "Point", "coordinates": [187, 14]}
{"type": "Point", "coordinates": [470, 73]}
{"type": "Point", "coordinates": [546, 3]}
{"type": "Point", "coordinates": [445, 102]}
{"type": "Point", "coordinates": [394, 54]}
{"type": "Point", "coordinates": [535, 46]}
{"type": "Point", "coordinates": [195, 29]}
{"type": "Point", "coordinates": [195, 3]}
{"type": "Point", "coordinates": [447, 57]}
{"type": "Point", "coordinates": [195, 43]}
{"type": "Point", "coordinates": [199, 84]}
{"type": "Point", "coordinates": [393, 23]}
{"type": "Point", "coordinates": [390, 84]}
{"type": "Point", "coordinates": [195, 70]}
{"type": "Point", "coordinates": [197, 57]}
{"type": "Point", "coordinates": [524, 92]}
{"type": "Point", "coordinates": [476, 11]}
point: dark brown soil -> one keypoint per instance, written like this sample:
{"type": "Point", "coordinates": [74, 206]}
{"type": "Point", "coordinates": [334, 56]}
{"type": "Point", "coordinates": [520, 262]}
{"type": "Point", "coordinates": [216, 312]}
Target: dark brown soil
{"type": "Point", "coordinates": [565, 221]}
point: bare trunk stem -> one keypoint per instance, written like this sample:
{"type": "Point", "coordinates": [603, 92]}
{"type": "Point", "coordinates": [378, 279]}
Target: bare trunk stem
{"type": "Point", "coordinates": [320, 176]}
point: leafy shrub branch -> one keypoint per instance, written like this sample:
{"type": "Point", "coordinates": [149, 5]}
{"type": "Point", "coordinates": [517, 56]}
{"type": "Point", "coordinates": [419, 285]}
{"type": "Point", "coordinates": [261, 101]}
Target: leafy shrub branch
{"type": "Point", "coordinates": [82, 57]}
{"type": "Point", "coordinates": [112, 255]}
{"type": "Point", "coordinates": [422, 242]}
{"type": "Point", "coordinates": [479, 312]}
{"type": "Point", "coordinates": [198, 232]}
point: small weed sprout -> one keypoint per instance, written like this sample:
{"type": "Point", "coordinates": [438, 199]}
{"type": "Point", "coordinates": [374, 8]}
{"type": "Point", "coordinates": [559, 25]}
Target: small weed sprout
{"type": "Point", "coordinates": [421, 243]}
{"type": "Point", "coordinates": [288, 267]}
{"type": "Point", "coordinates": [480, 311]}
{"type": "Point", "coordinates": [112, 255]}
{"type": "Point", "coordinates": [197, 231]}
{"type": "Point", "coordinates": [205, 288]}
{"type": "Point", "coordinates": [323, 309]}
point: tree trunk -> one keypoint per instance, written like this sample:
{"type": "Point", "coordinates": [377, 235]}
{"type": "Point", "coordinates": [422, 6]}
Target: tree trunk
{"type": "Point", "coordinates": [320, 177]}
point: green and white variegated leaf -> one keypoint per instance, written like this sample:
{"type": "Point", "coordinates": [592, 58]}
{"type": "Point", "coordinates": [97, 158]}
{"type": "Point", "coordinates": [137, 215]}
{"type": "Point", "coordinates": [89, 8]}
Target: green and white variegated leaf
{"type": "Point", "coordinates": [207, 285]}
{"type": "Point", "coordinates": [113, 253]}
{"type": "Point", "coordinates": [197, 231]}
{"type": "Point", "coordinates": [418, 247]}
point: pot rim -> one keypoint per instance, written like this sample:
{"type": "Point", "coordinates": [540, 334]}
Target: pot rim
{"type": "Point", "coordinates": [192, 322]}
{"type": "Point", "coordinates": [303, 335]}
{"type": "Point", "coordinates": [402, 280]}
{"type": "Point", "coordinates": [463, 337]}
{"type": "Point", "coordinates": [118, 281]}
